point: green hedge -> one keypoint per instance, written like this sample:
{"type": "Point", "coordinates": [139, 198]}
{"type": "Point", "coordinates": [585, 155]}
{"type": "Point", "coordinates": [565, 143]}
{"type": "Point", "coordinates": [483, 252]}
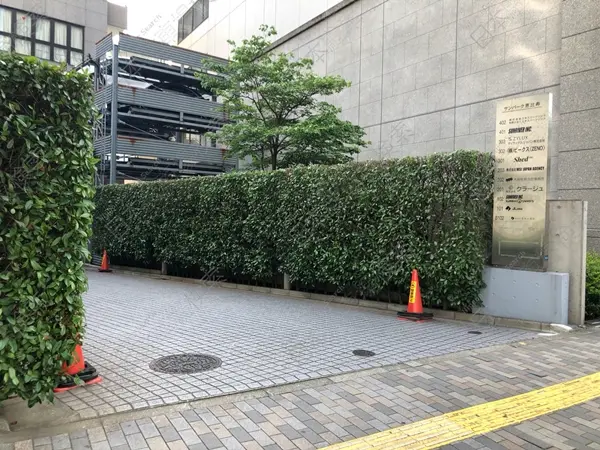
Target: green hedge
{"type": "Point", "coordinates": [592, 286]}
{"type": "Point", "coordinates": [355, 226]}
{"type": "Point", "coordinates": [46, 193]}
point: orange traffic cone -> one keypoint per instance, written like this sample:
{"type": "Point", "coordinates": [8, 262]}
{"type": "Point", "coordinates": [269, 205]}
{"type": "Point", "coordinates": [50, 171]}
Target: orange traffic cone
{"type": "Point", "coordinates": [104, 266]}
{"type": "Point", "coordinates": [78, 363]}
{"type": "Point", "coordinates": [415, 304]}
{"type": "Point", "coordinates": [80, 369]}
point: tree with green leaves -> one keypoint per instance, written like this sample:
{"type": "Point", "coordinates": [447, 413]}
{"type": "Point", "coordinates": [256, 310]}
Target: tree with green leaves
{"type": "Point", "coordinates": [273, 103]}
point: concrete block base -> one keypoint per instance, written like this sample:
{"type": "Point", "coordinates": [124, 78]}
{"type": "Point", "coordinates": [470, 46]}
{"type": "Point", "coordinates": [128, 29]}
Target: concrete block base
{"type": "Point", "coordinates": [524, 295]}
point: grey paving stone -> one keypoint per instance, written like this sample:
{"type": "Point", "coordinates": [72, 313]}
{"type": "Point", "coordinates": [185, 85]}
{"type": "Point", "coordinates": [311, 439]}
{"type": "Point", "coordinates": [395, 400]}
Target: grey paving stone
{"type": "Point", "coordinates": [169, 434]}
{"type": "Point", "coordinates": [101, 445]}
{"type": "Point", "coordinates": [148, 430]}
{"type": "Point", "coordinates": [136, 441]}
{"type": "Point", "coordinates": [240, 434]}
{"type": "Point", "coordinates": [189, 437]}
{"type": "Point", "coordinates": [289, 432]}
{"type": "Point", "coordinates": [130, 427]}
{"type": "Point", "coordinates": [255, 416]}
{"type": "Point", "coordinates": [180, 423]}
{"type": "Point", "coordinates": [82, 443]}
{"type": "Point", "coordinates": [78, 434]}
{"type": "Point", "coordinates": [61, 442]}
{"type": "Point", "coordinates": [211, 441]}
{"type": "Point", "coordinates": [42, 441]}
{"type": "Point", "coordinates": [116, 438]}
{"type": "Point", "coordinates": [199, 446]}
{"type": "Point", "coordinates": [190, 416]}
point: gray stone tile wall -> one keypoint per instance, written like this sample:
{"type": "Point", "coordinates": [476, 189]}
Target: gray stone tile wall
{"type": "Point", "coordinates": [579, 156]}
{"type": "Point", "coordinates": [427, 75]}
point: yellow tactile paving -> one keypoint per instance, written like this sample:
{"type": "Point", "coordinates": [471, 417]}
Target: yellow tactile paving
{"type": "Point", "coordinates": [480, 419]}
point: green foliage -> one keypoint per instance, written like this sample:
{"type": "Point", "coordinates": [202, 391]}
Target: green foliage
{"type": "Point", "coordinates": [592, 286]}
{"type": "Point", "coordinates": [272, 101]}
{"type": "Point", "coordinates": [362, 227]}
{"type": "Point", "coordinates": [46, 193]}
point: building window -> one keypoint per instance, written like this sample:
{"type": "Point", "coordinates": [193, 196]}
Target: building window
{"type": "Point", "coordinates": [22, 46]}
{"type": "Point", "coordinates": [192, 19]}
{"type": "Point", "coordinates": [45, 38]}
{"type": "Point", "coordinates": [60, 33]}
{"type": "Point", "coordinates": [5, 43]}
{"type": "Point", "coordinates": [60, 55]}
{"type": "Point", "coordinates": [76, 58]}
{"type": "Point", "coordinates": [42, 30]}
{"type": "Point", "coordinates": [42, 51]}
{"type": "Point", "coordinates": [77, 38]}
{"type": "Point", "coordinates": [5, 20]}
{"type": "Point", "coordinates": [23, 25]}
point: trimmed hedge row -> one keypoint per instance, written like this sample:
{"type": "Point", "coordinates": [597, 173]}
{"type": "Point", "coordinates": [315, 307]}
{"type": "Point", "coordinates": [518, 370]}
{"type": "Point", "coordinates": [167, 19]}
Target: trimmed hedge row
{"type": "Point", "coordinates": [592, 286]}
{"type": "Point", "coordinates": [358, 226]}
{"type": "Point", "coordinates": [46, 193]}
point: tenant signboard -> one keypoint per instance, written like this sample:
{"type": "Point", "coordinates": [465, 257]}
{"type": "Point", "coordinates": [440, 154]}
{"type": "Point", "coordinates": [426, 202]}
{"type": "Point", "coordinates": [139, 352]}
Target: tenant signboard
{"type": "Point", "coordinates": [521, 181]}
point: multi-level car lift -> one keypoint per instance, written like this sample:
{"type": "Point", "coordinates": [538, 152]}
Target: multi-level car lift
{"type": "Point", "coordinates": [153, 125]}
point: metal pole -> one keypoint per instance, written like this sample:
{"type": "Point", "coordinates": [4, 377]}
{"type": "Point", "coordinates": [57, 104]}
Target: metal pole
{"type": "Point", "coordinates": [114, 114]}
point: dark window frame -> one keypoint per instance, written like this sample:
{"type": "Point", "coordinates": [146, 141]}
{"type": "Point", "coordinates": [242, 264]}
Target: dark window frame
{"type": "Point", "coordinates": [33, 40]}
{"type": "Point", "coordinates": [197, 18]}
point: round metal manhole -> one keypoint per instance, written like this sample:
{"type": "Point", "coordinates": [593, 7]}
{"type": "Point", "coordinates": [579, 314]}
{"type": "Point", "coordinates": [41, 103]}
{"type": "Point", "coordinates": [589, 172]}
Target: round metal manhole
{"type": "Point", "coordinates": [363, 353]}
{"type": "Point", "coordinates": [474, 332]}
{"type": "Point", "coordinates": [185, 363]}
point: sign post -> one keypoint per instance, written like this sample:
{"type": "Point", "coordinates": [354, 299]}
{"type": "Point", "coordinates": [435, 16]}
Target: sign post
{"type": "Point", "coordinates": [521, 181]}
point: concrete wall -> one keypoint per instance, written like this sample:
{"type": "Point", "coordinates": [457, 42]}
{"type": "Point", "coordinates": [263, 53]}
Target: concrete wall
{"type": "Point", "coordinates": [92, 14]}
{"type": "Point", "coordinates": [579, 157]}
{"type": "Point", "coordinates": [518, 294]}
{"type": "Point", "coordinates": [566, 250]}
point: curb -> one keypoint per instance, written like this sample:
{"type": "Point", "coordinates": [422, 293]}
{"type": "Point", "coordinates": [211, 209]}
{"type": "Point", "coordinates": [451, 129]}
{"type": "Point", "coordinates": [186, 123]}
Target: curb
{"type": "Point", "coordinates": [391, 307]}
{"type": "Point", "coordinates": [4, 426]}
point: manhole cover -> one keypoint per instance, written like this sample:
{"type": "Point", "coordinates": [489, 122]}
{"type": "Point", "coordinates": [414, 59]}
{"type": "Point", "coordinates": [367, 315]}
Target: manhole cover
{"type": "Point", "coordinates": [474, 332]}
{"type": "Point", "coordinates": [185, 363]}
{"type": "Point", "coordinates": [363, 353]}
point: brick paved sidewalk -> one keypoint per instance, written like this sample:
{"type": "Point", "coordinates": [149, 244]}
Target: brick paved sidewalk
{"type": "Point", "coordinates": [263, 341]}
{"type": "Point", "coordinates": [353, 405]}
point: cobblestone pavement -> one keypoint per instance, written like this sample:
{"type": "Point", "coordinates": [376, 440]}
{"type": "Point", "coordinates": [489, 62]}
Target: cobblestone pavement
{"type": "Point", "coordinates": [263, 341]}
{"type": "Point", "coordinates": [358, 404]}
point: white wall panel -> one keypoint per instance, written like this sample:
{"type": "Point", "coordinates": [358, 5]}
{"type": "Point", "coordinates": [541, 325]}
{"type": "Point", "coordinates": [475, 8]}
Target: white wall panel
{"type": "Point", "coordinates": [255, 16]}
{"type": "Point", "coordinates": [221, 37]}
{"type": "Point", "coordinates": [240, 19]}
{"type": "Point", "coordinates": [237, 23]}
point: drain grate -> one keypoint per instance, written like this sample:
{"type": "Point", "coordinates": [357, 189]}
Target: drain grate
{"type": "Point", "coordinates": [185, 363]}
{"type": "Point", "coordinates": [474, 332]}
{"type": "Point", "coordinates": [363, 353]}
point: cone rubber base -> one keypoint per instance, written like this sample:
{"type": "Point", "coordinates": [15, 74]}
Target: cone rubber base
{"type": "Point", "coordinates": [58, 390]}
{"type": "Point", "coordinates": [415, 317]}
{"type": "Point", "coordinates": [88, 375]}
{"type": "Point", "coordinates": [105, 270]}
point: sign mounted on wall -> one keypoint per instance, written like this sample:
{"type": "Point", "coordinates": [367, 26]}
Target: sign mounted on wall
{"type": "Point", "coordinates": [521, 181]}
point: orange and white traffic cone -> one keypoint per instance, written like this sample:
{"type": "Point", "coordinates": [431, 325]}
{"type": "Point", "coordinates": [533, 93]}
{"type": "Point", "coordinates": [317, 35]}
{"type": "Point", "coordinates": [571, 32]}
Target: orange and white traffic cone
{"type": "Point", "coordinates": [104, 267]}
{"type": "Point", "coordinates": [414, 311]}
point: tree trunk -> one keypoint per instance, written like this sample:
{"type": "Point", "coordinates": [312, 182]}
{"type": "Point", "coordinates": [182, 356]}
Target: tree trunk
{"type": "Point", "coordinates": [274, 161]}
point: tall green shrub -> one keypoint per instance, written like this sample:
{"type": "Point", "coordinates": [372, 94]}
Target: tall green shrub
{"type": "Point", "coordinates": [361, 227]}
{"type": "Point", "coordinates": [46, 193]}
{"type": "Point", "coordinates": [592, 286]}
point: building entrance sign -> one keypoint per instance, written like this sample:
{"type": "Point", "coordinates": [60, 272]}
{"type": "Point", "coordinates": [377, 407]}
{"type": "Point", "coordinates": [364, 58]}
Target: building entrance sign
{"type": "Point", "coordinates": [521, 181]}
